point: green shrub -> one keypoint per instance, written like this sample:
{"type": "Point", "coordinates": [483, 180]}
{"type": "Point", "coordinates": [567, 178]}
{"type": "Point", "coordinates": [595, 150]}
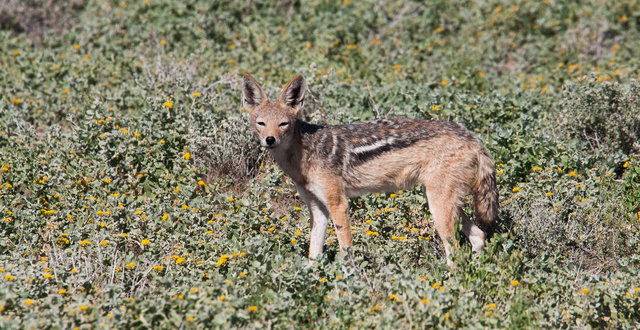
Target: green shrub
{"type": "Point", "coordinates": [603, 114]}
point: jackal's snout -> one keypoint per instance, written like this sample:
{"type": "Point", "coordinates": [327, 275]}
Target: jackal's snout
{"type": "Point", "coordinates": [270, 140]}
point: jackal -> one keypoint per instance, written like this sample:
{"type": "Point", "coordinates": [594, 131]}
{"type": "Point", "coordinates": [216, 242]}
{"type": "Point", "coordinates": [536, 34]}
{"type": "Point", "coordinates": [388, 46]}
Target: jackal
{"type": "Point", "coordinates": [331, 163]}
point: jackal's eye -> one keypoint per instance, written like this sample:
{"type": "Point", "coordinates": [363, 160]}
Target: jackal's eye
{"type": "Point", "coordinates": [284, 124]}
{"type": "Point", "coordinates": [260, 123]}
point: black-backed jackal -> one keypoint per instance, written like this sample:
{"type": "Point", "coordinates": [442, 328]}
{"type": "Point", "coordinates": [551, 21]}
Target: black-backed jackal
{"type": "Point", "coordinates": [330, 163]}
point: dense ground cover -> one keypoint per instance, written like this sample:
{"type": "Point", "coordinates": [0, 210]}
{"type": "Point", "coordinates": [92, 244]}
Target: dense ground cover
{"type": "Point", "coordinates": [132, 193]}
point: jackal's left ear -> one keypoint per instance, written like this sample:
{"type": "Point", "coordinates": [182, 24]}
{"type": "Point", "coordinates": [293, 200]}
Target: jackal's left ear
{"type": "Point", "coordinates": [293, 93]}
{"type": "Point", "coordinates": [252, 93]}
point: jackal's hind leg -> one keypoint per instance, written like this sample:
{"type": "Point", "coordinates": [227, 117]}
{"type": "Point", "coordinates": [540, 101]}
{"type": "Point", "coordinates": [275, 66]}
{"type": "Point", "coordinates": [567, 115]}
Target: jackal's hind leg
{"type": "Point", "coordinates": [443, 205]}
{"type": "Point", "coordinates": [474, 233]}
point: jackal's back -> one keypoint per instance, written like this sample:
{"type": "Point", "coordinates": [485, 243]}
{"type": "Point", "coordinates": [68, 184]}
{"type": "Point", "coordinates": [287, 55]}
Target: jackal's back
{"type": "Point", "coordinates": [352, 145]}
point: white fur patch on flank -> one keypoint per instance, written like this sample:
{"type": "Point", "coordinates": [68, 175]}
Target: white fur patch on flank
{"type": "Point", "coordinates": [335, 145]}
{"type": "Point", "coordinates": [374, 146]}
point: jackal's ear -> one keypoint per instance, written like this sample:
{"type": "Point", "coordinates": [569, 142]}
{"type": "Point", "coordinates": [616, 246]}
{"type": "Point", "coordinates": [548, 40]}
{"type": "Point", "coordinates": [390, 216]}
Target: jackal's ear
{"type": "Point", "coordinates": [293, 93]}
{"type": "Point", "coordinates": [252, 93]}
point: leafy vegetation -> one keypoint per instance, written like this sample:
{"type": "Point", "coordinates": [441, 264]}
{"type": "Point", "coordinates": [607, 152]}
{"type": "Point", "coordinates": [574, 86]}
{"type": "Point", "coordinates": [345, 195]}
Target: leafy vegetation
{"type": "Point", "coordinates": [133, 195]}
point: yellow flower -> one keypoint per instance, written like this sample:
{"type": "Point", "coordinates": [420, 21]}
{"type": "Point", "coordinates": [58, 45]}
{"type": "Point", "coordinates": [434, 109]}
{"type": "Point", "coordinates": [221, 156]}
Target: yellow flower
{"type": "Point", "coordinates": [28, 302]}
{"type": "Point", "coordinates": [583, 291]}
{"type": "Point", "coordinates": [74, 271]}
{"type": "Point", "coordinates": [393, 297]}
{"type": "Point", "coordinates": [85, 242]}
{"type": "Point", "coordinates": [515, 283]}
{"type": "Point", "coordinates": [190, 319]}
{"type": "Point", "coordinates": [62, 291]}
{"type": "Point", "coordinates": [375, 308]}
{"type": "Point", "coordinates": [222, 298]}
{"type": "Point", "coordinates": [164, 216]}
{"type": "Point", "coordinates": [393, 195]}
{"type": "Point", "coordinates": [187, 156]}
{"type": "Point", "coordinates": [47, 275]}
{"type": "Point", "coordinates": [372, 233]}
{"type": "Point", "coordinates": [16, 101]}
{"type": "Point", "coordinates": [492, 306]}
{"type": "Point", "coordinates": [180, 260]}
{"type": "Point", "coordinates": [253, 308]}
{"type": "Point", "coordinates": [158, 268]}
{"type": "Point", "coordinates": [84, 307]}
{"type": "Point", "coordinates": [197, 94]}
{"type": "Point", "coordinates": [9, 277]}
{"type": "Point", "coordinates": [201, 183]}
{"type": "Point", "coordinates": [130, 265]}
{"type": "Point", "coordinates": [515, 189]}
{"type": "Point", "coordinates": [145, 241]}
{"type": "Point", "coordinates": [103, 243]}
{"type": "Point", "coordinates": [168, 104]}
{"type": "Point", "coordinates": [444, 82]}
{"type": "Point", "coordinates": [549, 194]}
{"type": "Point", "coordinates": [436, 285]}
{"type": "Point", "coordinates": [424, 301]}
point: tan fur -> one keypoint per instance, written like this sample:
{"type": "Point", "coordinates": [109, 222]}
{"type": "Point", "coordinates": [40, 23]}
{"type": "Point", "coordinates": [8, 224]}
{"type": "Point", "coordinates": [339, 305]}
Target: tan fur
{"type": "Point", "coordinates": [330, 163]}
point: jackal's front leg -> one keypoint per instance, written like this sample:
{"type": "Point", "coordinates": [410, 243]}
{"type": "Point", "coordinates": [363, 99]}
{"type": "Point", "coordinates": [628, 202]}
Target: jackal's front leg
{"type": "Point", "coordinates": [338, 207]}
{"type": "Point", "coordinates": [319, 221]}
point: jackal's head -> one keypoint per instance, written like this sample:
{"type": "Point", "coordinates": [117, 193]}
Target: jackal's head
{"type": "Point", "coordinates": [273, 122]}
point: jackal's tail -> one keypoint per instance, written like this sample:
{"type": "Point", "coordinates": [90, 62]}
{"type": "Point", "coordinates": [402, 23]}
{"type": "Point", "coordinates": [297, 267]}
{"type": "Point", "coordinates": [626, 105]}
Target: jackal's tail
{"type": "Point", "coordinates": [485, 192]}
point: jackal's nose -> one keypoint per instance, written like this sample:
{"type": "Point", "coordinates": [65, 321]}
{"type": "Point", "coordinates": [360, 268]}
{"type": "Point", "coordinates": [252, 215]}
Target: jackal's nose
{"type": "Point", "coordinates": [270, 140]}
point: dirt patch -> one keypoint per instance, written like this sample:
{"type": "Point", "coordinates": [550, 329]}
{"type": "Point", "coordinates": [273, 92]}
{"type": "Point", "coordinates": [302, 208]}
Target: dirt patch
{"type": "Point", "coordinates": [35, 17]}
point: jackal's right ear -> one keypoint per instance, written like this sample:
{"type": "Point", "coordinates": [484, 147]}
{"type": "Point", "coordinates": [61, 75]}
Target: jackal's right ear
{"type": "Point", "coordinates": [252, 93]}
